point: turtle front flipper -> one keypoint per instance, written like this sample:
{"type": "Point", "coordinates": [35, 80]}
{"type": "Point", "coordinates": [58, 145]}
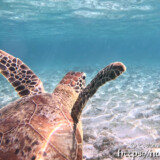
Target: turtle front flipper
{"type": "Point", "coordinates": [20, 76]}
{"type": "Point", "coordinates": [109, 73]}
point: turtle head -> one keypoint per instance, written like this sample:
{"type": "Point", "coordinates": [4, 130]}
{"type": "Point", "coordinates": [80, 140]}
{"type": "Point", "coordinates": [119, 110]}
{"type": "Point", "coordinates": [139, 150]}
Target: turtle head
{"type": "Point", "coordinates": [69, 88]}
{"type": "Point", "coordinates": [75, 80]}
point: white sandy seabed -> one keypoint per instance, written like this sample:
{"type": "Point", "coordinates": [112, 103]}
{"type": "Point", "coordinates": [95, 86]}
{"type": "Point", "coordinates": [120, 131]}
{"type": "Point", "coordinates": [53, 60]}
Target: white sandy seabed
{"type": "Point", "coordinates": [124, 115]}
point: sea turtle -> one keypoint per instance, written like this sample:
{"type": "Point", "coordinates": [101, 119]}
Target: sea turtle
{"type": "Point", "coordinates": [43, 126]}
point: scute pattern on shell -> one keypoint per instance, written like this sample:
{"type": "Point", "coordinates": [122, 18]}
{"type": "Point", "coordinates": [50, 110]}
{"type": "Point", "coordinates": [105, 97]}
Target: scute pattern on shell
{"type": "Point", "coordinates": [27, 132]}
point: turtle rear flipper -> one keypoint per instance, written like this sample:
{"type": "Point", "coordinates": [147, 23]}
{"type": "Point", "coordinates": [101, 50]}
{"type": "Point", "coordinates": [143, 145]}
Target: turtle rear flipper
{"type": "Point", "coordinates": [20, 76]}
{"type": "Point", "coordinates": [109, 73]}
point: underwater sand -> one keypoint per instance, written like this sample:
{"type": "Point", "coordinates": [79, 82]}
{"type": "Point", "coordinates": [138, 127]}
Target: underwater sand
{"type": "Point", "coordinates": [122, 114]}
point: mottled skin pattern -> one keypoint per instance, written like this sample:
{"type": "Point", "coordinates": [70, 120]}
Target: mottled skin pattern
{"type": "Point", "coordinates": [76, 80]}
{"type": "Point", "coordinates": [109, 73]}
{"type": "Point", "coordinates": [39, 126]}
{"type": "Point", "coordinates": [19, 75]}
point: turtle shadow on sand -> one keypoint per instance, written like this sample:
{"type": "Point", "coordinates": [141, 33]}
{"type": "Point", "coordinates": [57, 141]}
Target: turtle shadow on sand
{"type": "Point", "coordinates": [43, 126]}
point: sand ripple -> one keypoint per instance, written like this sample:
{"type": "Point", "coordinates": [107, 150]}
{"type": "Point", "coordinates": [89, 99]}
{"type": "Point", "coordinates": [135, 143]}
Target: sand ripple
{"type": "Point", "coordinates": [122, 114]}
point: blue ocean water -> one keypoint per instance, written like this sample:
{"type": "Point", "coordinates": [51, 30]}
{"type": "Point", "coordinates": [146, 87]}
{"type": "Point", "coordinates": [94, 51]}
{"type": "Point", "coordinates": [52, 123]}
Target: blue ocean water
{"type": "Point", "coordinates": [55, 36]}
{"type": "Point", "coordinates": [81, 31]}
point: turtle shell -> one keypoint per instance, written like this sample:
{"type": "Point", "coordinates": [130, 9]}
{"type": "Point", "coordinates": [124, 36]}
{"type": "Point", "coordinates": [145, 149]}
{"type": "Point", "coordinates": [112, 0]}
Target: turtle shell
{"type": "Point", "coordinates": [37, 128]}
